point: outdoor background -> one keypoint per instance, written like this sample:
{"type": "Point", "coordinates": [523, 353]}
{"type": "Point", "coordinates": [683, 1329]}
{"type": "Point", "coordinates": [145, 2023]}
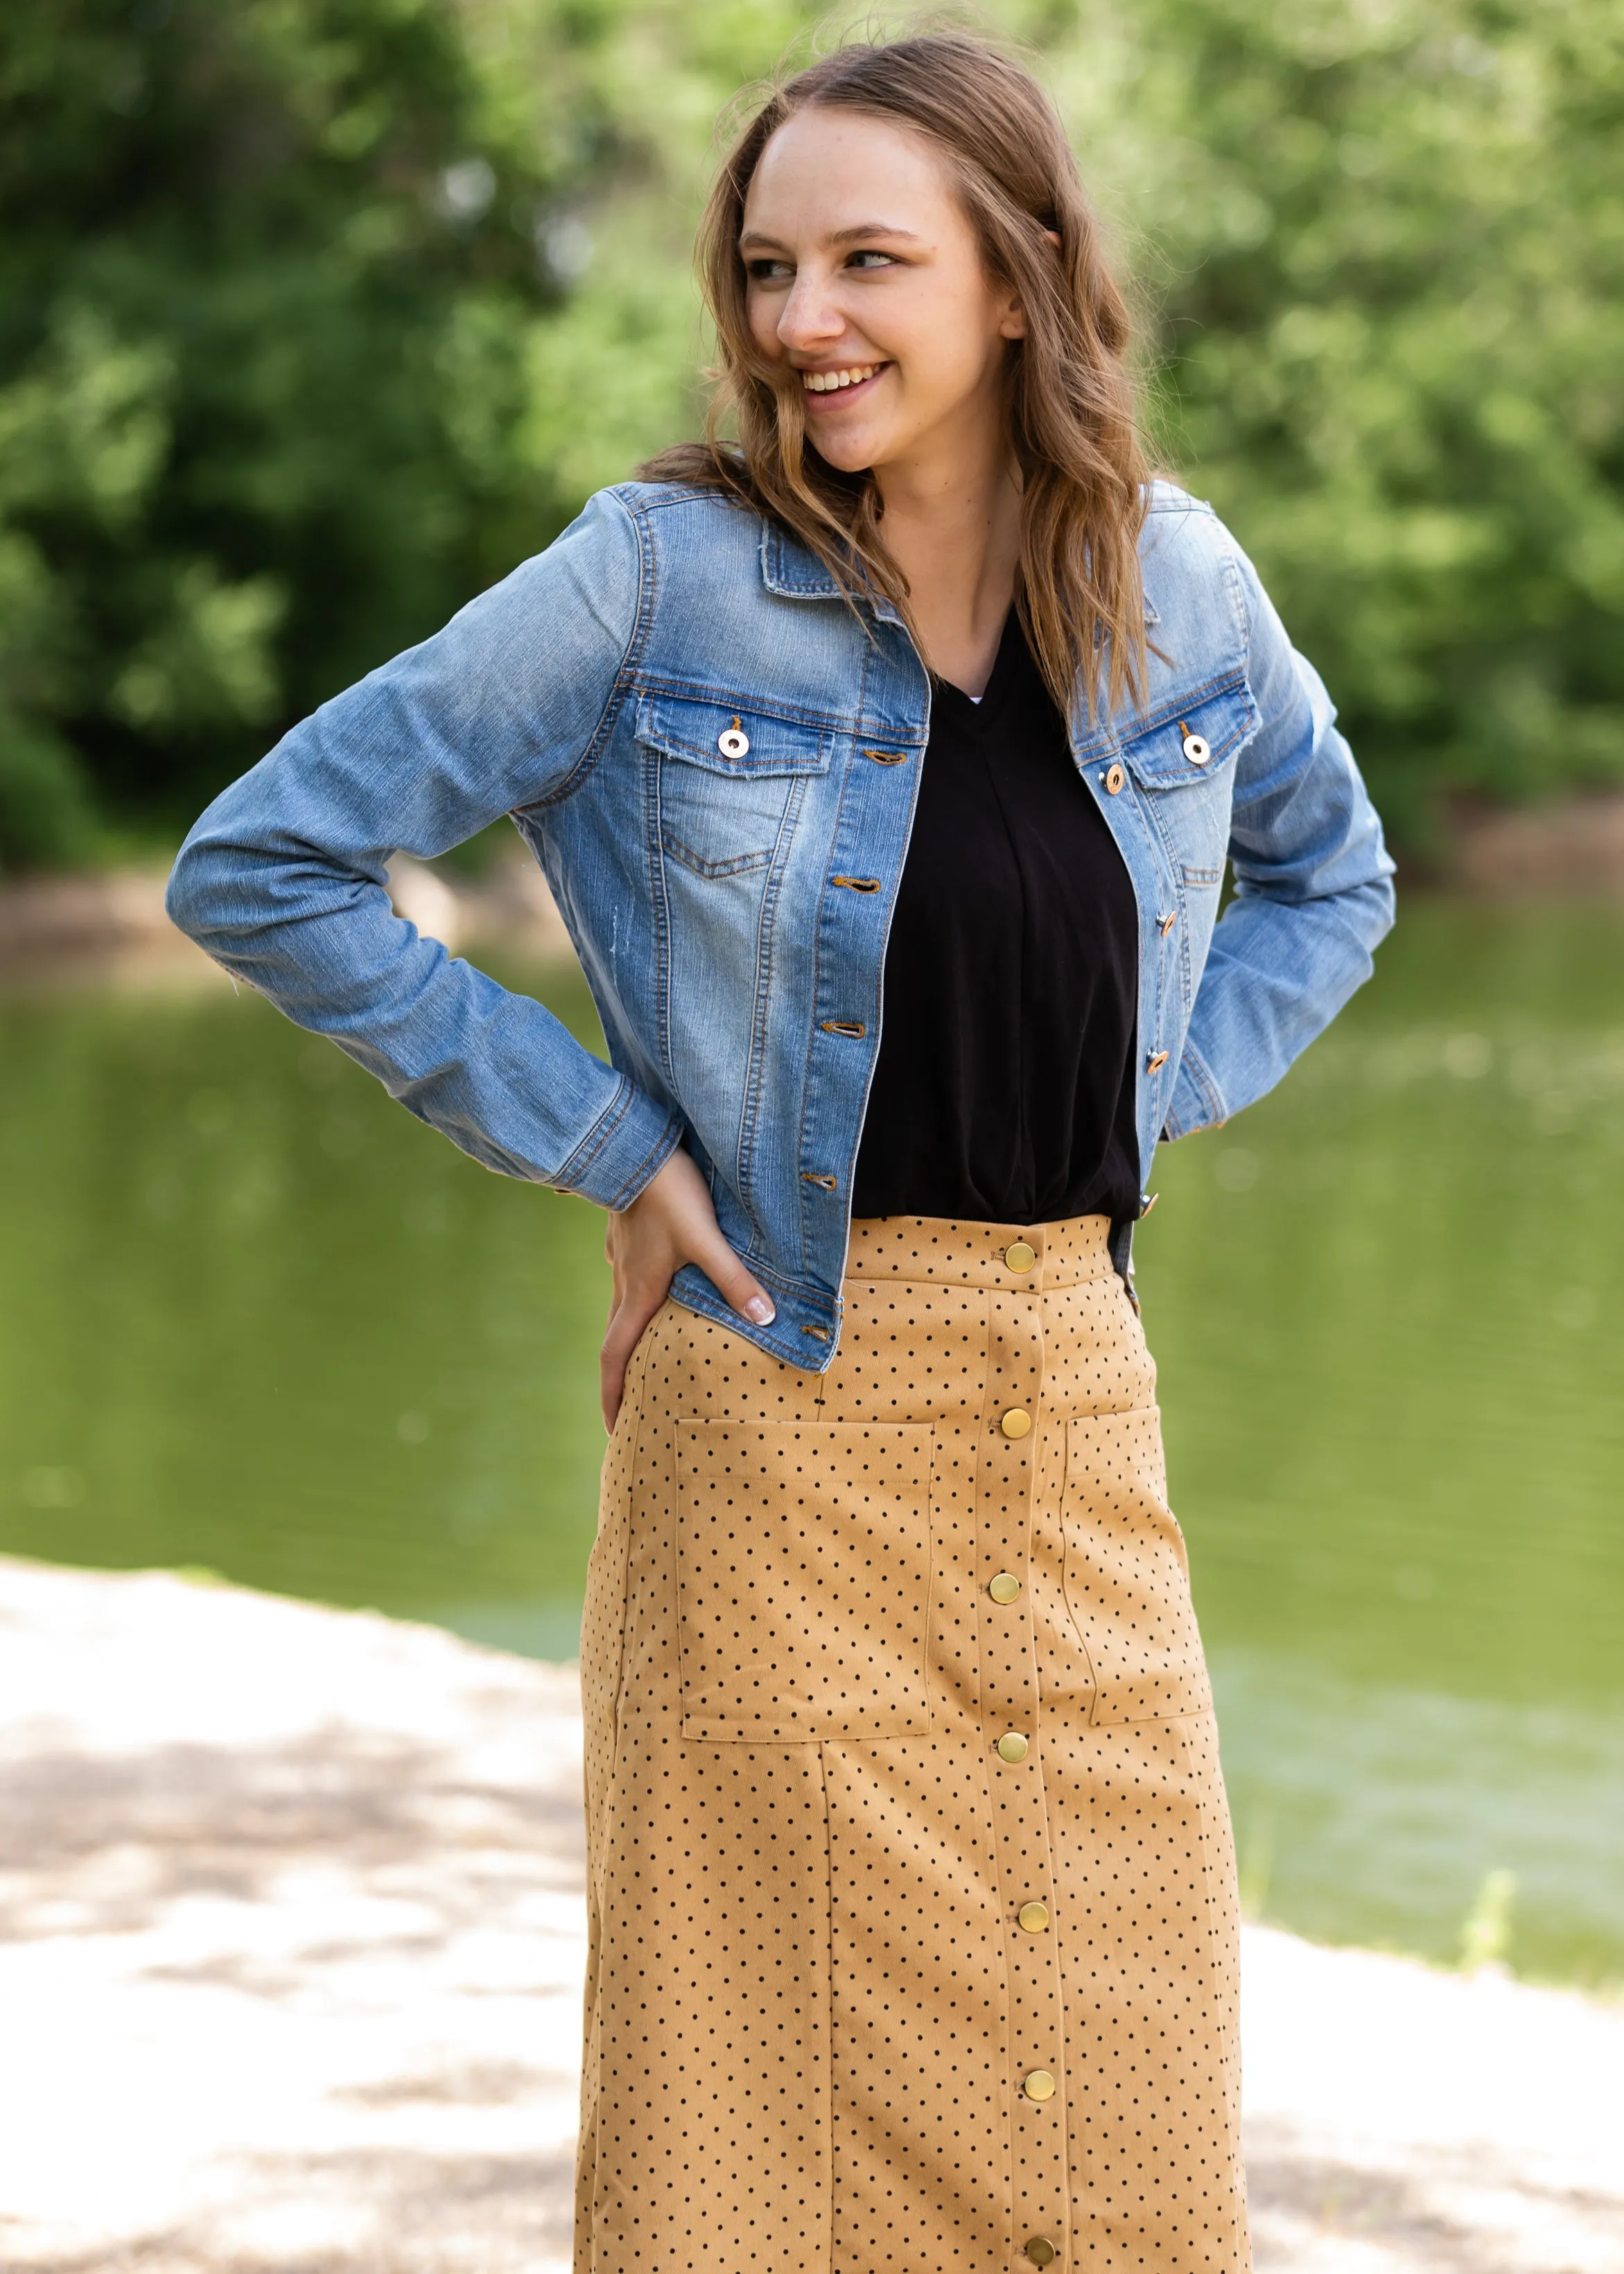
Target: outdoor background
{"type": "Point", "coordinates": [315, 317]}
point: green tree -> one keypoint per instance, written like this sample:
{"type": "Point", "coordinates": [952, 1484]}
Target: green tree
{"type": "Point", "coordinates": [265, 275]}
{"type": "Point", "coordinates": [1380, 249]}
{"type": "Point", "coordinates": [316, 315]}
{"type": "Point", "coordinates": [1388, 244]}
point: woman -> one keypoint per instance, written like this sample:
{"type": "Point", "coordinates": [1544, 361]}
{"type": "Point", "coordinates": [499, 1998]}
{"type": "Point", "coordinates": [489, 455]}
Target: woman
{"type": "Point", "coordinates": [912, 1892]}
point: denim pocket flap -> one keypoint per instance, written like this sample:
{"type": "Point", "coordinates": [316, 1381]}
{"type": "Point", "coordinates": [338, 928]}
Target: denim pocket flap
{"type": "Point", "coordinates": [1190, 743]}
{"type": "Point", "coordinates": [727, 736]}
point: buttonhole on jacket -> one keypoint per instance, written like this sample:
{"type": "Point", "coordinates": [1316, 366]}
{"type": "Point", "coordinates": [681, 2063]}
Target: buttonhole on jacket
{"type": "Point", "coordinates": [858, 884]}
{"type": "Point", "coordinates": [844, 1027]}
{"type": "Point", "coordinates": [887, 757]}
{"type": "Point", "coordinates": [818, 1333]}
{"type": "Point", "coordinates": [811, 1176]}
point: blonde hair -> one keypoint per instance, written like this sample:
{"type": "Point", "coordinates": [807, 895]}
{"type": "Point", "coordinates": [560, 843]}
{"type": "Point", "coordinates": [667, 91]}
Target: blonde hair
{"type": "Point", "coordinates": [1070, 396]}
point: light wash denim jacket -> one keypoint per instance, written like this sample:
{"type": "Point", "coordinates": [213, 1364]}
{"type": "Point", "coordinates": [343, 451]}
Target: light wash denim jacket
{"type": "Point", "coordinates": [715, 760]}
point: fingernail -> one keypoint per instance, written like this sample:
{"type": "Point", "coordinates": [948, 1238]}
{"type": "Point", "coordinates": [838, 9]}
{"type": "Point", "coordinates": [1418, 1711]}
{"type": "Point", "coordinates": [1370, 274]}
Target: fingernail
{"type": "Point", "coordinates": [760, 1310]}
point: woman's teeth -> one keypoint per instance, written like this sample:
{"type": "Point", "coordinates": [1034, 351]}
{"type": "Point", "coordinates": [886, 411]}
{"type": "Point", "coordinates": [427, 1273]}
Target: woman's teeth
{"type": "Point", "coordinates": [824, 382]}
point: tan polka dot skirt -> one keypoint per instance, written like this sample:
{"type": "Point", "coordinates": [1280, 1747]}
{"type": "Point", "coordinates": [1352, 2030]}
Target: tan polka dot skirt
{"type": "Point", "coordinates": [913, 1895]}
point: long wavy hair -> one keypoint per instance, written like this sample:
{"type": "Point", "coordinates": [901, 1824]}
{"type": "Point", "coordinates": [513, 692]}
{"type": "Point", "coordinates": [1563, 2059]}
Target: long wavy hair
{"type": "Point", "coordinates": [1069, 391]}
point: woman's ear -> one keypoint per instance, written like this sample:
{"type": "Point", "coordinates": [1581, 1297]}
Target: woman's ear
{"type": "Point", "coordinates": [1014, 324]}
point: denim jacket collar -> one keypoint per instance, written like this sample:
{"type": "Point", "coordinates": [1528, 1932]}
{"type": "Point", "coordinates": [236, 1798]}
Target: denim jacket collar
{"type": "Point", "coordinates": [790, 569]}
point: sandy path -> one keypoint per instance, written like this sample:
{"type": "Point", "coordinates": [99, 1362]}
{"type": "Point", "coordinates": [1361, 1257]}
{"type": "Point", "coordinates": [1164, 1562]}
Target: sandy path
{"type": "Point", "coordinates": [291, 1946]}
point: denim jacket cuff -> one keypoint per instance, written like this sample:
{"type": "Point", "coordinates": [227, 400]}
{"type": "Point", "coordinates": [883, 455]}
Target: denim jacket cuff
{"type": "Point", "coordinates": [623, 1151]}
{"type": "Point", "coordinates": [1197, 1101]}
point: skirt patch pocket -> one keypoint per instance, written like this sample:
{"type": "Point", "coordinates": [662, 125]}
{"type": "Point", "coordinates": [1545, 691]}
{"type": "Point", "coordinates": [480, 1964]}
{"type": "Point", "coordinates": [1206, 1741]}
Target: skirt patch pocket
{"type": "Point", "coordinates": [1127, 1575]}
{"type": "Point", "coordinates": [803, 1580]}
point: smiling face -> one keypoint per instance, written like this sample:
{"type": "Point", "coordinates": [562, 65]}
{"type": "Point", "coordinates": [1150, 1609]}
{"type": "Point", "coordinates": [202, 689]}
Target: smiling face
{"type": "Point", "coordinates": [865, 278]}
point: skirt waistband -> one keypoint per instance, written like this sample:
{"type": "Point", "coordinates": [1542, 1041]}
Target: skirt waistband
{"type": "Point", "coordinates": [953, 1254]}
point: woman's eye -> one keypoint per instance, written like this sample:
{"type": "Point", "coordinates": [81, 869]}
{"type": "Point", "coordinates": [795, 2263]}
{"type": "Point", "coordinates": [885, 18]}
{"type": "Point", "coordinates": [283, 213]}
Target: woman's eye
{"type": "Point", "coordinates": [766, 272]}
{"type": "Point", "coordinates": [871, 260]}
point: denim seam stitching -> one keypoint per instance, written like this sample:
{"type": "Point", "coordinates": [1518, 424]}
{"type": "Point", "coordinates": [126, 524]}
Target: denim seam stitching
{"type": "Point", "coordinates": [651, 1163]}
{"type": "Point", "coordinates": [739, 864]}
{"type": "Point", "coordinates": [571, 1171]}
{"type": "Point", "coordinates": [1201, 1077]}
{"type": "Point", "coordinates": [598, 740]}
{"type": "Point", "coordinates": [676, 690]}
{"type": "Point", "coordinates": [766, 942]}
{"type": "Point", "coordinates": [801, 1190]}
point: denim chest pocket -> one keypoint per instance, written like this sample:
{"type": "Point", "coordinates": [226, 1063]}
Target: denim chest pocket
{"type": "Point", "coordinates": [1186, 758]}
{"type": "Point", "coordinates": [729, 776]}
{"type": "Point", "coordinates": [1193, 744]}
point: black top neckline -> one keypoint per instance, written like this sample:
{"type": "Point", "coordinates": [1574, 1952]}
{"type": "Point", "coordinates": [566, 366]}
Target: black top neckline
{"type": "Point", "coordinates": [1004, 1091]}
{"type": "Point", "coordinates": [972, 710]}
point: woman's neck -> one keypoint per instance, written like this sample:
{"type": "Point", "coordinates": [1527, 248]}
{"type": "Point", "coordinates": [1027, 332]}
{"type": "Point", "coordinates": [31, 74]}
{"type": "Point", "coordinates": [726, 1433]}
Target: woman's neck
{"type": "Point", "coordinates": [953, 529]}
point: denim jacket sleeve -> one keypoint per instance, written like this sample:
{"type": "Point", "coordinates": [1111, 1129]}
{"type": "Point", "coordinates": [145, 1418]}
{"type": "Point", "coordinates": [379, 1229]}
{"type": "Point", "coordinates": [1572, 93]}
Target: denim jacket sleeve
{"type": "Point", "coordinates": [282, 878]}
{"type": "Point", "coordinates": [1312, 889]}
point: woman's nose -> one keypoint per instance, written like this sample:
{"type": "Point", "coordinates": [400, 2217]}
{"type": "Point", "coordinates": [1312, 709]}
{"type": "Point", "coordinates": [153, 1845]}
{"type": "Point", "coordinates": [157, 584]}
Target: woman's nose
{"type": "Point", "coordinates": [810, 318]}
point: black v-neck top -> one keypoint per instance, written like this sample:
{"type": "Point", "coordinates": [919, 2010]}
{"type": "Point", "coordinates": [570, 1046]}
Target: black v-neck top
{"type": "Point", "coordinates": [1004, 1089]}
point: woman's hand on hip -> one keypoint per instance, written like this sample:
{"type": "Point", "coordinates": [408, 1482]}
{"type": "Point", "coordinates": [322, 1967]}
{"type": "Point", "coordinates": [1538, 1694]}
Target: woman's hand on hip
{"type": "Point", "coordinates": [670, 1223]}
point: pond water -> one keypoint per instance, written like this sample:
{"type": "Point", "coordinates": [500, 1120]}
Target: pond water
{"type": "Point", "coordinates": [258, 1321]}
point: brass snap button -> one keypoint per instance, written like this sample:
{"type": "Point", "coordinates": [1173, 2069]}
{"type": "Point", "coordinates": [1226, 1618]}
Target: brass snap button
{"type": "Point", "coordinates": [1114, 779]}
{"type": "Point", "coordinates": [1040, 2250]}
{"type": "Point", "coordinates": [1012, 1747]}
{"type": "Point", "coordinates": [733, 742]}
{"type": "Point", "coordinates": [1154, 1063]}
{"type": "Point", "coordinates": [1039, 2085]}
{"type": "Point", "coordinates": [1004, 1587]}
{"type": "Point", "coordinates": [1196, 748]}
{"type": "Point", "coordinates": [1033, 1919]}
{"type": "Point", "coordinates": [1016, 1422]}
{"type": "Point", "coordinates": [1167, 925]}
{"type": "Point", "coordinates": [1021, 1255]}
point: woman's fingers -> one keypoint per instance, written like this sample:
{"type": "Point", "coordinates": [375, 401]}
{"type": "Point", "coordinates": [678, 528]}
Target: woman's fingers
{"type": "Point", "coordinates": [673, 1213]}
{"type": "Point", "coordinates": [730, 1280]}
{"type": "Point", "coordinates": [670, 1223]}
{"type": "Point", "coordinates": [630, 1315]}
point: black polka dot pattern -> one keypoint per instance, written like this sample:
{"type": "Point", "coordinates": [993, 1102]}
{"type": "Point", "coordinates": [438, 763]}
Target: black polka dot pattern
{"type": "Point", "coordinates": [819, 2040]}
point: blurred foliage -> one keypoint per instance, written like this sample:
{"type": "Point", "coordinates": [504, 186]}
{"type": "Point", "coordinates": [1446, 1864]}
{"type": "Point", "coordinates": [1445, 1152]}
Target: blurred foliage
{"type": "Point", "coordinates": [316, 315]}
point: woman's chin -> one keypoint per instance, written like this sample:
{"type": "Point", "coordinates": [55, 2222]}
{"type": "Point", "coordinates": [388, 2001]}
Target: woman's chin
{"type": "Point", "coordinates": [850, 451]}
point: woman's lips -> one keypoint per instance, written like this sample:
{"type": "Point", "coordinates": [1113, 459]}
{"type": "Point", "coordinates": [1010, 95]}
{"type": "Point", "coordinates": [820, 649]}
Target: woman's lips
{"type": "Point", "coordinates": [835, 398]}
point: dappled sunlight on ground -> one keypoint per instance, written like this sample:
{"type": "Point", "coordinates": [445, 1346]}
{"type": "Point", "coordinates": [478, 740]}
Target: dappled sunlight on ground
{"type": "Point", "coordinates": [293, 1936]}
